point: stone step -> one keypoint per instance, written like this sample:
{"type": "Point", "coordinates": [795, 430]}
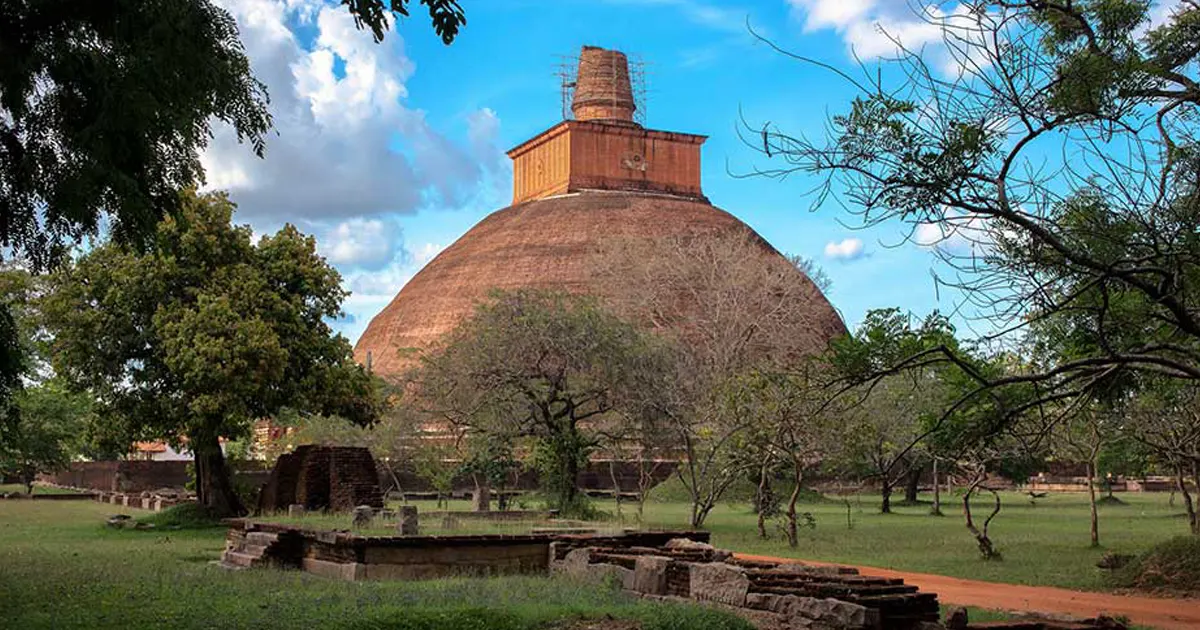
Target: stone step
{"type": "Point", "coordinates": [262, 538]}
{"type": "Point", "coordinates": [239, 559]}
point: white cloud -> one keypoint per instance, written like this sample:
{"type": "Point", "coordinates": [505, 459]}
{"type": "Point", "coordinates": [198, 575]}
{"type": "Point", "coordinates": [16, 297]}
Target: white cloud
{"type": "Point", "coordinates": [846, 249]}
{"type": "Point", "coordinates": [383, 284]}
{"type": "Point", "coordinates": [367, 243]}
{"type": "Point", "coordinates": [346, 145]}
{"type": "Point", "coordinates": [878, 28]}
{"type": "Point", "coordinates": [426, 253]}
{"type": "Point", "coordinates": [957, 234]}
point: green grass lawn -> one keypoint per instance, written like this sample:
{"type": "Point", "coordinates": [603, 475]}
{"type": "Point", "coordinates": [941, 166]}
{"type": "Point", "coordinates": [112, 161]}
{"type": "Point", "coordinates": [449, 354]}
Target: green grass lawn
{"type": "Point", "coordinates": [1046, 544]}
{"type": "Point", "coordinates": [61, 568]}
{"type": "Point", "coordinates": [1043, 545]}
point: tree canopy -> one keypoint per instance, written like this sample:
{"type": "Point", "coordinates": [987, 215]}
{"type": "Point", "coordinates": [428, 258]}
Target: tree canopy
{"type": "Point", "coordinates": [1059, 153]}
{"type": "Point", "coordinates": [204, 333]}
{"type": "Point", "coordinates": [548, 367]}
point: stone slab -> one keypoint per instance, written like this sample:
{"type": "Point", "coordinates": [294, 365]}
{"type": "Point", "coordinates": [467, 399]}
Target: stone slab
{"type": "Point", "coordinates": [718, 582]}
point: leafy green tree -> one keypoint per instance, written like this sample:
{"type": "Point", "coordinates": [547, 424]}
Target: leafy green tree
{"type": "Point", "coordinates": [1060, 161]}
{"type": "Point", "coordinates": [16, 353]}
{"type": "Point", "coordinates": [895, 404]}
{"type": "Point", "coordinates": [544, 366]}
{"type": "Point", "coordinates": [48, 433]}
{"type": "Point", "coordinates": [204, 333]}
{"type": "Point", "coordinates": [105, 106]}
{"type": "Point", "coordinates": [490, 463]}
{"type": "Point", "coordinates": [1164, 418]}
{"type": "Point", "coordinates": [795, 424]}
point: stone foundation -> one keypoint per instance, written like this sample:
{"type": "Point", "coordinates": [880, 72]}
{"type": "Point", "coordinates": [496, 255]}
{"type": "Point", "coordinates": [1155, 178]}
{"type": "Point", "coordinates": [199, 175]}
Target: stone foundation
{"type": "Point", "coordinates": [348, 556]}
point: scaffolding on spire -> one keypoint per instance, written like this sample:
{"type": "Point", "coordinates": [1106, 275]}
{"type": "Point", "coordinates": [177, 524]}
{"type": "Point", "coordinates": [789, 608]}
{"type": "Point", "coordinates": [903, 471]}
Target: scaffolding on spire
{"type": "Point", "coordinates": [608, 85]}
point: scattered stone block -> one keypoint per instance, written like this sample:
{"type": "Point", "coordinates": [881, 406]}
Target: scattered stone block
{"type": "Point", "coordinates": [118, 521]}
{"type": "Point", "coordinates": [687, 544]}
{"type": "Point", "coordinates": [718, 582]}
{"type": "Point", "coordinates": [574, 564]}
{"type": "Point", "coordinates": [957, 619]}
{"type": "Point", "coordinates": [650, 575]}
{"type": "Point", "coordinates": [409, 524]}
{"type": "Point", "coordinates": [296, 510]}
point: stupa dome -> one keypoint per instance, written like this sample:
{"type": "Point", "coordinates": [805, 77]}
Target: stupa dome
{"type": "Point", "coordinates": [599, 176]}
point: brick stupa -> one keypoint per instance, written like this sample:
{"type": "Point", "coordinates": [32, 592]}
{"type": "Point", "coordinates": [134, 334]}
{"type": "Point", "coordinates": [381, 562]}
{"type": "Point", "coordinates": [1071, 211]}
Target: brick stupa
{"type": "Point", "coordinates": [598, 175]}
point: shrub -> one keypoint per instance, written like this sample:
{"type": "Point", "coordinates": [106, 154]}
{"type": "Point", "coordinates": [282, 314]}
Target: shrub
{"type": "Point", "coordinates": [183, 516]}
{"type": "Point", "coordinates": [1172, 565]}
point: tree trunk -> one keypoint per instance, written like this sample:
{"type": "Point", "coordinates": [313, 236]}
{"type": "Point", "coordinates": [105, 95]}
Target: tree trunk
{"type": "Point", "coordinates": [937, 491]}
{"type": "Point", "coordinates": [1091, 479]}
{"type": "Point", "coordinates": [797, 479]}
{"type": "Point", "coordinates": [612, 476]}
{"type": "Point", "coordinates": [1193, 525]}
{"type": "Point", "coordinates": [986, 548]}
{"type": "Point", "coordinates": [645, 478]}
{"type": "Point", "coordinates": [761, 500]}
{"type": "Point", "coordinates": [214, 487]}
{"type": "Point", "coordinates": [912, 486]}
{"type": "Point", "coordinates": [570, 481]}
{"type": "Point", "coordinates": [886, 490]}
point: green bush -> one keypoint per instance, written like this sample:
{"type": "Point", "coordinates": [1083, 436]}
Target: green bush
{"type": "Point", "coordinates": [1172, 565]}
{"type": "Point", "coordinates": [183, 516]}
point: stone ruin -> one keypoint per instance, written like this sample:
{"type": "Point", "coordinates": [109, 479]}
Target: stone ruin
{"type": "Point", "coordinates": [337, 478]}
{"type": "Point", "coordinates": [770, 595]}
{"type": "Point", "coordinates": [672, 566]}
{"type": "Point", "coordinates": [776, 596]}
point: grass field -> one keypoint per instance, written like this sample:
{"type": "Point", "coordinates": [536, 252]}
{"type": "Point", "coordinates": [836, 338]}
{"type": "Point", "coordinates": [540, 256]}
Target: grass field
{"type": "Point", "coordinates": [61, 568]}
{"type": "Point", "coordinates": [1046, 544]}
{"type": "Point", "coordinates": [1042, 545]}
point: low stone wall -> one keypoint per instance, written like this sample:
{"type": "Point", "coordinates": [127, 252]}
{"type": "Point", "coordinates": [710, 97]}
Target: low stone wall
{"type": "Point", "coordinates": [494, 516]}
{"type": "Point", "coordinates": [141, 501]}
{"type": "Point", "coordinates": [1079, 484]}
{"type": "Point", "coordinates": [348, 556]}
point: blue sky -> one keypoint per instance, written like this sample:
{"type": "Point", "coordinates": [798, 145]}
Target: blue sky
{"type": "Point", "coordinates": [388, 153]}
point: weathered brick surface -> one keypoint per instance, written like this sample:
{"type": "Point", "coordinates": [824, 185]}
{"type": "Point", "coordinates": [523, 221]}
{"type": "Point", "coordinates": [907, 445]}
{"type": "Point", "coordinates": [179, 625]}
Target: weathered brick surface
{"type": "Point", "coordinates": [322, 478]}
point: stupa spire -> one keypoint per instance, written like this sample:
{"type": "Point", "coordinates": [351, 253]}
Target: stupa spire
{"type": "Point", "coordinates": [603, 92]}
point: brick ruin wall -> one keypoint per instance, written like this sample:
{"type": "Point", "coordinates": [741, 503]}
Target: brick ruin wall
{"type": "Point", "coordinates": [138, 476]}
{"type": "Point", "coordinates": [322, 477]}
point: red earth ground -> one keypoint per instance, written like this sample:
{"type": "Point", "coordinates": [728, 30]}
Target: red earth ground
{"type": "Point", "coordinates": [1155, 612]}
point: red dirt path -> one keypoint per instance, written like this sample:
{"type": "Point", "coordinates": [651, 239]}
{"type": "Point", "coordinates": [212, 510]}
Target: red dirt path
{"type": "Point", "coordinates": [1161, 613]}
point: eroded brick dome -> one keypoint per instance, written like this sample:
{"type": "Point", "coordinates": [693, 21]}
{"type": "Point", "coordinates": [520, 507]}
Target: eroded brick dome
{"type": "Point", "coordinates": [545, 243]}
